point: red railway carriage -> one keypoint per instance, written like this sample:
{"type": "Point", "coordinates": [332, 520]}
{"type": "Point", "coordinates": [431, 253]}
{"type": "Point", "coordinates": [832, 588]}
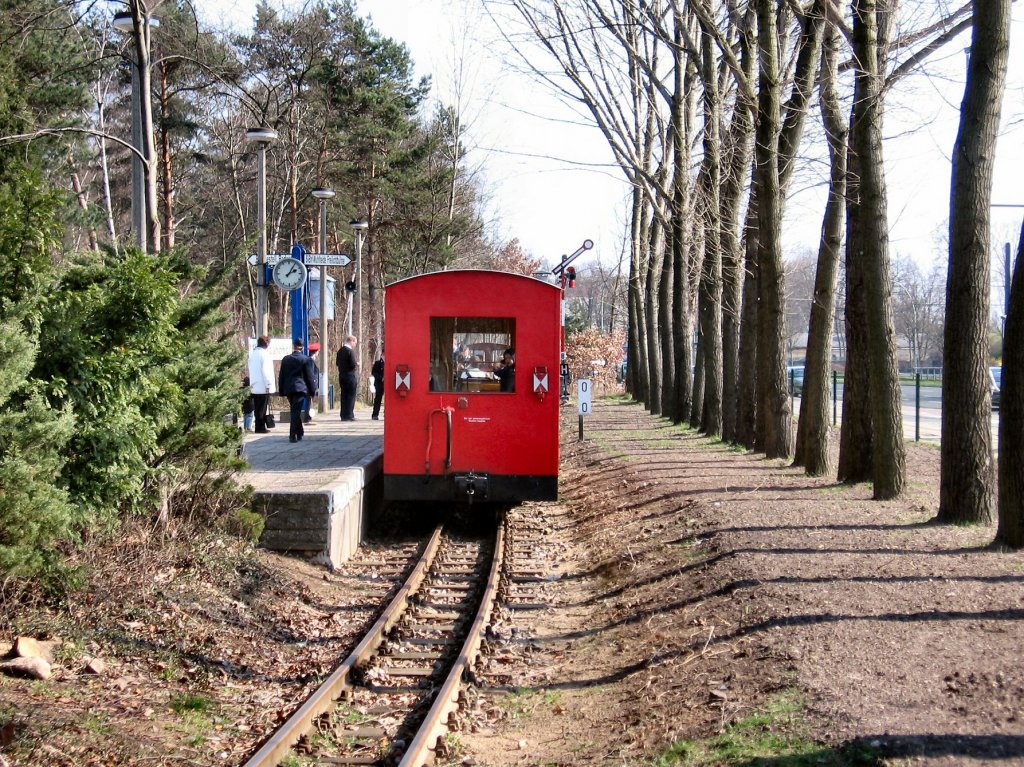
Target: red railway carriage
{"type": "Point", "coordinates": [453, 429]}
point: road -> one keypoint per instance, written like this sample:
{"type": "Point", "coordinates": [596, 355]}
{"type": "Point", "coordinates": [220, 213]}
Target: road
{"type": "Point", "coordinates": [929, 427]}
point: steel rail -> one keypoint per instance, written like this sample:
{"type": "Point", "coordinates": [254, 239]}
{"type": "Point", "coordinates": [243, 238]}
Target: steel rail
{"type": "Point", "coordinates": [299, 723]}
{"type": "Point", "coordinates": [419, 751]}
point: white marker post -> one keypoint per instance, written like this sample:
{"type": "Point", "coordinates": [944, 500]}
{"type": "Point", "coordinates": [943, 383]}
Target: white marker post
{"type": "Point", "coordinates": [584, 399]}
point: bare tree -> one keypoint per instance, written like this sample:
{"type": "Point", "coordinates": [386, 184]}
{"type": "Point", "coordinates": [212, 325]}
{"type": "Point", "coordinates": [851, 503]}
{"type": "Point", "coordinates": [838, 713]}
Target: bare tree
{"type": "Point", "coordinates": [683, 110]}
{"type": "Point", "coordinates": [812, 441]}
{"type": "Point", "coordinates": [739, 150]}
{"type": "Point", "coordinates": [772, 398]}
{"type": "Point", "coordinates": [800, 269]}
{"type": "Point", "coordinates": [967, 482]}
{"type": "Point", "coordinates": [869, 216]}
{"type": "Point", "coordinates": [710, 299]}
{"type": "Point", "coordinates": [918, 310]}
{"type": "Point", "coordinates": [761, 348]}
{"type": "Point", "coordinates": [608, 62]}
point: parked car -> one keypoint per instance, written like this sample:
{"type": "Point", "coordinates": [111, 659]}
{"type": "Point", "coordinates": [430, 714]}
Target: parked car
{"type": "Point", "coordinates": [995, 381]}
{"type": "Point", "coordinates": [795, 377]}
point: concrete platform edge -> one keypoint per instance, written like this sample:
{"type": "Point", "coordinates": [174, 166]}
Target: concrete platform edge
{"type": "Point", "coordinates": [327, 523]}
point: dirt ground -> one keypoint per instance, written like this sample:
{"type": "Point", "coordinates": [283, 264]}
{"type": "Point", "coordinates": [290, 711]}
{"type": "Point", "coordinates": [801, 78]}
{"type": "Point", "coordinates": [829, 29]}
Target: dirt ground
{"type": "Point", "coordinates": [705, 606]}
{"type": "Point", "coordinates": [713, 592]}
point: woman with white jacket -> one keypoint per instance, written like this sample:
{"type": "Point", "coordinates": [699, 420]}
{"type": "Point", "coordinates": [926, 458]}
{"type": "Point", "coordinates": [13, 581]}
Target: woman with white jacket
{"type": "Point", "coordinates": [261, 381]}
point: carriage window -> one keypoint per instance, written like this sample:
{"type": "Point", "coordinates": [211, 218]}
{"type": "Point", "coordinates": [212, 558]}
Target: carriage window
{"type": "Point", "coordinates": [464, 352]}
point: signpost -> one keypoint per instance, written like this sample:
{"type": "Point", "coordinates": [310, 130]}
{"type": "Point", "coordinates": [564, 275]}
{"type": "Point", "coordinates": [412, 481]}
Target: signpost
{"type": "Point", "coordinates": [272, 258]}
{"type": "Point", "coordinates": [300, 312]}
{"type": "Point", "coordinates": [312, 259]}
{"type": "Point", "coordinates": [327, 259]}
{"type": "Point", "coordinates": [585, 387]}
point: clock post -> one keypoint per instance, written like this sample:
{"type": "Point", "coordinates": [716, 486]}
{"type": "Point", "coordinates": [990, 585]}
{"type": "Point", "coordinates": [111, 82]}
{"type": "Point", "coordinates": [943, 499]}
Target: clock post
{"type": "Point", "coordinates": [300, 314]}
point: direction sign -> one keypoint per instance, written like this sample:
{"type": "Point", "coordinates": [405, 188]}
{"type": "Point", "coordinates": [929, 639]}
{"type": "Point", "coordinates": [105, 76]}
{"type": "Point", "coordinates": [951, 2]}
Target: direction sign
{"type": "Point", "coordinates": [327, 259]}
{"type": "Point", "coordinates": [272, 258]}
{"type": "Point", "coordinates": [311, 259]}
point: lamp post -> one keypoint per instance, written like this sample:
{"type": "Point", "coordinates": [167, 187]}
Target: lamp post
{"type": "Point", "coordinates": [323, 194]}
{"type": "Point", "coordinates": [125, 22]}
{"type": "Point", "coordinates": [262, 137]}
{"type": "Point", "coordinates": [359, 227]}
{"type": "Point", "coordinates": [1007, 270]}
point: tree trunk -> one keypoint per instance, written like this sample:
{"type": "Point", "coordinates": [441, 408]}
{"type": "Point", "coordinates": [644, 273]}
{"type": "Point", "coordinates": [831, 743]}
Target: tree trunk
{"type": "Point", "coordinates": [855, 438]}
{"type": "Point", "coordinates": [746, 390]}
{"type": "Point", "coordinates": [871, 222]}
{"type": "Point", "coordinates": [889, 465]}
{"type": "Point", "coordinates": [683, 96]}
{"type": "Point", "coordinates": [805, 75]}
{"type": "Point", "coordinates": [636, 368]}
{"type": "Point", "coordinates": [669, 398]}
{"type": "Point", "coordinates": [967, 473]}
{"type": "Point", "coordinates": [1011, 414]}
{"type": "Point", "coordinates": [682, 330]}
{"type": "Point", "coordinates": [737, 170]}
{"type": "Point", "coordinates": [711, 271]}
{"type": "Point", "coordinates": [83, 203]}
{"type": "Point", "coordinates": [695, 260]}
{"type": "Point", "coordinates": [651, 317]}
{"type": "Point", "coordinates": [773, 398]}
{"type": "Point", "coordinates": [813, 430]}
{"type": "Point", "coordinates": [697, 406]}
{"type": "Point", "coordinates": [166, 163]}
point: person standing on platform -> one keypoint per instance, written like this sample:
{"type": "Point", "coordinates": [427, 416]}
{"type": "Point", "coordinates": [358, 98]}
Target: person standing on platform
{"type": "Point", "coordinates": [261, 382]}
{"type": "Point", "coordinates": [298, 381]}
{"type": "Point", "coordinates": [348, 375]}
{"type": "Point", "coordinates": [248, 405]}
{"type": "Point", "coordinates": [377, 371]}
{"type": "Point", "coordinates": [307, 408]}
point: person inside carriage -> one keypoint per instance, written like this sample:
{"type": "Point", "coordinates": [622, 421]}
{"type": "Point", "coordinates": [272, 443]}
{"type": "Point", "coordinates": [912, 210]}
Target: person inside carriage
{"type": "Point", "coordinates": [464, 361]}
{"type": "Point", "coordinates": [505, 371]}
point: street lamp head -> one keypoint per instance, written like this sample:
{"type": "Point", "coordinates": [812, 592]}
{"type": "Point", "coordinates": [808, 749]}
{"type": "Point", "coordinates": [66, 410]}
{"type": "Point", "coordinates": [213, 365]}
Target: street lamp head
{"type": "Point", "coordinates": [359, 224]}
{"type": "Point", "coordinates": [123, 21]}
{"type": "Point", "coordinates": [323, 193]}
{"type": "Point", "coordinates": [261, 135]}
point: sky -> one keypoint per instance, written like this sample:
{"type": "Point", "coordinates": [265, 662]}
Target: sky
{"type": "Point", "coordinates": [550, 181]}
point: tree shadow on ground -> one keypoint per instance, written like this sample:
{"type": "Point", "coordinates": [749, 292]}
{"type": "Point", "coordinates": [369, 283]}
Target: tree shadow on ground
{"type": "Point", "coordinates": [876, 750]}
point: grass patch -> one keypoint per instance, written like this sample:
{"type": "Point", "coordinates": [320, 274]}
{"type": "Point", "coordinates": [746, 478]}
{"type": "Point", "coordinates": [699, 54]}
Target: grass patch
{"type": "Point", "coordinates": [196, 717]}
{"type": "Point", "coordinates": [187, 703]}
{"type": "Point", "coordinates": [169, 672]}
{"type": "Point", "coordinates": [523, 702]}
{"type": "Point", "coordinates": [664, 437]}
{"type": "Point", "coordinates": [775, 735]}
{"type": "Point", "coordinates": [519, 703]}
{"type": "Point", "coordinates": [97, 724]}
{"type": "Point", "coordinates": [454, 747]}
{"type": "Point", "coordinates": [833, 489]}
{"type": "Point", "coordinates": [553, 697]}
{"type": "Point", "coordinates": [346, 714]}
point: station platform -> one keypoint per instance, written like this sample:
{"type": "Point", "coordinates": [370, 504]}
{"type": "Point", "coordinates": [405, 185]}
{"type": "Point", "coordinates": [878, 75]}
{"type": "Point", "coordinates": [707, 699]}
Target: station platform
{"type": "Point", "coordinates": [314, 494]}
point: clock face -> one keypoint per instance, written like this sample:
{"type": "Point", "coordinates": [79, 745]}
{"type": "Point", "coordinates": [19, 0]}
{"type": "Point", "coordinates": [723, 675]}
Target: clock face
{"type": "Point", "coordinates": [289, 274]}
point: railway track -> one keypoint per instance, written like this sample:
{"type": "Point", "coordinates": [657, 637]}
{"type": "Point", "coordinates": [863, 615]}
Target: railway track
{"type": "Point", "coordinates": [388, 702]}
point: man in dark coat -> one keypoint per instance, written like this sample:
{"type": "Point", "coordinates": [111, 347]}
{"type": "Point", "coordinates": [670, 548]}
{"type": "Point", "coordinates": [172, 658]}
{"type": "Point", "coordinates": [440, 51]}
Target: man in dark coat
{"type": "Point", "coordinates": [348, 375]}
{"type": "Point", "coordinates": [298, 380]}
